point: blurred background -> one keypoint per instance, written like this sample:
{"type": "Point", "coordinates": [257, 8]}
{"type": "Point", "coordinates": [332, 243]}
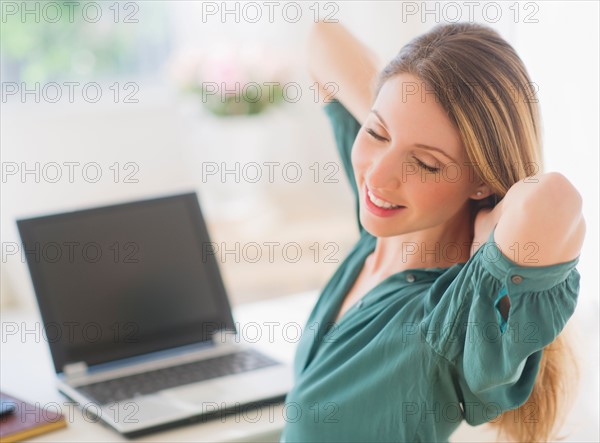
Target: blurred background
{"type": "Point", "coordinates": [107, 102]}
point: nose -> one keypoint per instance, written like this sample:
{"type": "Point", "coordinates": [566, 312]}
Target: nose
{"type": "Point", "coordinates": [384, 173]}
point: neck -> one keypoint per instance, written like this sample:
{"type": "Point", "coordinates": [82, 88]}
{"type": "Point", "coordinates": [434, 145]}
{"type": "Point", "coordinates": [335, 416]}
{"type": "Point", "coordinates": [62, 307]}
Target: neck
{"type": "Point", "coordinates": [440, 246]}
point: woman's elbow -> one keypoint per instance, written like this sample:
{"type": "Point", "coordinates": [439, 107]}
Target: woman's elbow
{"type": "Point", "coordinates": [319, 40]}
{"type": "Point", "coordinates": [560, 205]}
{"type": "Point", "coordinates": [557, 196]}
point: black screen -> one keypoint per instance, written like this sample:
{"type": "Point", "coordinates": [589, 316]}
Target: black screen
{"type": "Point", "coordinates": [124, 280]}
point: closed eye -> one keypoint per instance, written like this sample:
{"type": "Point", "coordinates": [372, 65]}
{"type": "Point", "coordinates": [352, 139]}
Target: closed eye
{"type": "Point", "coordinates": [426, 167]}
{"type": "Point", "coordinates": [419, 162]}
{"type": "Point", "coordinates": [375, 135]}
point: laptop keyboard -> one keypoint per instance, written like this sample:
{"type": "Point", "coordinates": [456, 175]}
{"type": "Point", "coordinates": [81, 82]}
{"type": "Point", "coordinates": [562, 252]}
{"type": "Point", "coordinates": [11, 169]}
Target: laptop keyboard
{"type": "Point", "coordinates": [124, 388]}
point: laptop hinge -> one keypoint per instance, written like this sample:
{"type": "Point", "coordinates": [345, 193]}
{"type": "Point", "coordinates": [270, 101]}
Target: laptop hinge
{"type": "Point", "coordinates": [224, 336]}
{"type": "Point", "coordinates": [73, 370]}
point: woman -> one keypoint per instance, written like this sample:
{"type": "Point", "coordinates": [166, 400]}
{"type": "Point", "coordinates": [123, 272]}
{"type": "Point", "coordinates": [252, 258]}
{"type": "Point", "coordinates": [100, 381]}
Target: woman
{"type": "Point", "coordinates": [450, 304]}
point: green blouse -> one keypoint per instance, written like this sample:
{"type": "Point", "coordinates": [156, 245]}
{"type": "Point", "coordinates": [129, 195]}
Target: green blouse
{"type": "Point", "coordinates": [425, 348]}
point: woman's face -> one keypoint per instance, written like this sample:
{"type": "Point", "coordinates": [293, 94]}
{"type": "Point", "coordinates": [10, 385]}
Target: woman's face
{"type": "Point", "coordinates": [392, 162]}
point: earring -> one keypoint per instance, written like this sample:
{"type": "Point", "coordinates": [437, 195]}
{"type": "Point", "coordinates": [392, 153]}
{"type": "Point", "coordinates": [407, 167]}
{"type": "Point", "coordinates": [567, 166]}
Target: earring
{"type": "Point", "coordinates": [479, 193]}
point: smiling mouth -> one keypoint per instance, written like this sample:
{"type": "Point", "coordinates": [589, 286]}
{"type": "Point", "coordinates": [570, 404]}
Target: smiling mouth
{"type": "Point", "coordinates": [379, 202]}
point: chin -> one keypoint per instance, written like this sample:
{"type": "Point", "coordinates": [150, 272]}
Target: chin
{"type": "Point", "coordinates": [380, 229]}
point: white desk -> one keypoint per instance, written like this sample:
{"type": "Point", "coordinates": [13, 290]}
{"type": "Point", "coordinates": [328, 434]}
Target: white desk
{"type": "Point", "coordinates": [26, 371]}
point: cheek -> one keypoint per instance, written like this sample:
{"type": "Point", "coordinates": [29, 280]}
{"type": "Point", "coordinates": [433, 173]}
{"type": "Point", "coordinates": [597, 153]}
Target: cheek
{"type": "Point", "coordinates": [434, 196]}
{"type": "Point", "coordinates": [360, 156]}
{"type": "Point", "coordinates": [426, 191]}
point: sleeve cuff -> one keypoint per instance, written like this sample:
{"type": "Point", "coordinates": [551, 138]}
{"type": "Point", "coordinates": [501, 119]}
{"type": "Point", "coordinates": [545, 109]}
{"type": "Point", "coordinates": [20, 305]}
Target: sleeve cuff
{"type": "Point", "coordinates": [518, 278]}
{"type": "Point", "coordinates": [334, 106]}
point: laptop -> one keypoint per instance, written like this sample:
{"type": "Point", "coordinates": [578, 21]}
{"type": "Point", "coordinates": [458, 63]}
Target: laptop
{"type": "Point", "coordinates": [137, 317]}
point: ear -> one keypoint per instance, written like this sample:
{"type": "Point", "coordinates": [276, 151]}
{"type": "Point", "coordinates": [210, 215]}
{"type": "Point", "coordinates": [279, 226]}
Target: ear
{"type": "Point", "coordinates": [481, 192]}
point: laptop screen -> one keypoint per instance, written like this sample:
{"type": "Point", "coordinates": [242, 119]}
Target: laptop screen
{"type": "Point", "coordinates": [124, 280]}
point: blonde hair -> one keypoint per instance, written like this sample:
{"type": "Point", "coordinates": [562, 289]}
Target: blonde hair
{"type": "Point", "coordinates": [483, 86]}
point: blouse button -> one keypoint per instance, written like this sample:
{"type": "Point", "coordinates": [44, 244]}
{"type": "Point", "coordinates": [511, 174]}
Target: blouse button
{"type": "Point", "coordinates": [516, 279]}
{"type": "Point", "coordinates": [410, 278]}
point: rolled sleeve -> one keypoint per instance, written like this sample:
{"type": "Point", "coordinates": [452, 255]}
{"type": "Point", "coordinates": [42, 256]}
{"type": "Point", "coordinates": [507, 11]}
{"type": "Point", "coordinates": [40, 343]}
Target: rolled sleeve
{"type": "Point", "coordinates": [497, 359]}
{"type": "Point", "coordinates": [345, 128]}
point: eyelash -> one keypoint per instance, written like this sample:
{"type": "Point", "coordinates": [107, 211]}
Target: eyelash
{"type": "Point", "coordinates": [426, 167]}
{"type": "Point", "coordinates": [375, 136]}
{"type": "Point", "coordinates": [419, 162]}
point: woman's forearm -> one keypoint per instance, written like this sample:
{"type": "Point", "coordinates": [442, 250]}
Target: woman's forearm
{"type": "Point", "coordinates": [336, 57]}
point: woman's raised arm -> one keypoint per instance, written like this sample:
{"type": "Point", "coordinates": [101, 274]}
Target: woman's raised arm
{"type": "Point", "coordinates": [539, 221]}
{"type": "Point", "coordinates": [336, 56]}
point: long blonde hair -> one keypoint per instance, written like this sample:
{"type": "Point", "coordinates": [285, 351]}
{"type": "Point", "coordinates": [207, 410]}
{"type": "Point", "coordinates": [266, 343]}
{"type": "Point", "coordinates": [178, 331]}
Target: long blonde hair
{"type": "Point", "coordinates": [483, 86]}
